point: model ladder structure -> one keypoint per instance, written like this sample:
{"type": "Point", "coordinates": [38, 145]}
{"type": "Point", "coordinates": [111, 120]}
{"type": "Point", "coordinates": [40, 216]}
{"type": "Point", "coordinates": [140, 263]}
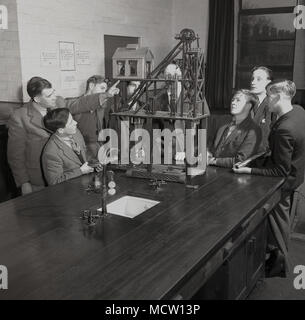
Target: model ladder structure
{"type": "Point", "coordinates": [142, 105]}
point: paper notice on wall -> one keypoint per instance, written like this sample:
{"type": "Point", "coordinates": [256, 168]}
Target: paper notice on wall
{"type": "Point", "coordinates": [48, 59]}
{"type": "Point", "coordinates": [68, 80]}
{"type": "Point", "coordinates": [82, 57]}
{"type": "Point", "coordinates": [67, 56]}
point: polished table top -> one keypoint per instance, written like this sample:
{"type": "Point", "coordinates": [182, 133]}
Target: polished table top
{"type": "Point", "coordinates": [51, 253]}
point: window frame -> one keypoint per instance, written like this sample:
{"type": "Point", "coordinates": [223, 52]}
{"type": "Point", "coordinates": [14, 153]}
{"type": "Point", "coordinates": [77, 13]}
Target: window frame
{"type": "Point", "coordinates": [254, 12]}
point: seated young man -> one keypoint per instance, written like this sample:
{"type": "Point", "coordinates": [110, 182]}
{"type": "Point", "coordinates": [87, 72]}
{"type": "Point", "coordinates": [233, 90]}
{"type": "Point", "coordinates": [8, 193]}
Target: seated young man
{"type": "Point", "coordinates": [240, 139]}
{"type": "Point", "coordinates": [261, 77]}
{"type": "Point", "coordinates": [287, 159]}
{"type": "Point", "coordinates": [64, 156]}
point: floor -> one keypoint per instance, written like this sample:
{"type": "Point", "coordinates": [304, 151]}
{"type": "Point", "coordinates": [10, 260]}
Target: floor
{"type": "Point", "coordinates": [283, 289]}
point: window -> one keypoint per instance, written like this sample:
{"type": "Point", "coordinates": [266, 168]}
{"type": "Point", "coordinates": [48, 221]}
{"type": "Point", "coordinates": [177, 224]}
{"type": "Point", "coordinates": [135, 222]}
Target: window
{"type": "Point", "coordinates": [133, 66]}
{"type": "Point", "coordinates": [254, 4]}
{"type": "Point", "coordinates": [120, 68]}
{"type": "Point", "coordinates": [266, 37]}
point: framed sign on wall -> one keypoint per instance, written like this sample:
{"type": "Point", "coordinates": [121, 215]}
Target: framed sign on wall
{"type": "Point", "coordinates": [67, 56]}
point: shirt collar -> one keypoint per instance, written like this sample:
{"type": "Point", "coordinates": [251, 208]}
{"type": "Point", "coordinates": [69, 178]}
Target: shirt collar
{"type": "Point", "coordinates": [65, 139]}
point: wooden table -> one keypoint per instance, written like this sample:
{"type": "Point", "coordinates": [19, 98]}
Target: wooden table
{"type": "Point", "coordinates": [167, 252]}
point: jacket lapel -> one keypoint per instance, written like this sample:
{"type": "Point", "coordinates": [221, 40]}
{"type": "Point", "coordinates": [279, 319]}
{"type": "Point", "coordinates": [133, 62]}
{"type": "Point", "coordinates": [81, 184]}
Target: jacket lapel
{"type": "Point", "coordinates": [36, 119]}
{"type": "Point", "coordinates": [233, 135]}
{"type": "Point", "coordinates": [219, 136]}
{"type": "Point", "coordinates": [67, 151]}
{"type": "Point", "coordinates": [78, 138]}
{"type": "Point", "coordinates": [238, 130]}
{"type": "Point", "coordinates": [260, 109]}
{"type": "Point", "coordinates": [100, 114]}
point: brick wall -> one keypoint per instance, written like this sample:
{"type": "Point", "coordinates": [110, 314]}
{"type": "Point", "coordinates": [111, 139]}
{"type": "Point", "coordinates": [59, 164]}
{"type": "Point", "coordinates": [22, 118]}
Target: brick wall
{"type": "Point", "coordinates": [193, 14]}
{"type": "Point", "coordinates": [44, 23]}
{"type": "Point", "coordinates": [10, 56]}
{"type": "Point", "coordinates": [10, 68]}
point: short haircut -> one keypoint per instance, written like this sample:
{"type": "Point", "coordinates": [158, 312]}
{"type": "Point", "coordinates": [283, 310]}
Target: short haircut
{"type": "Point", "coordinates": [268, 71]}
{"type": "Point", "coordinates": [56, 119]}
{"type": "Point", "coordinates": [282, 86]}
{"type": "Point", "coordinates": [36, 85]}
{"type": "Point", "coordinates": [95, 80]}
{"type": "Point", "coordinates": [251, 97]}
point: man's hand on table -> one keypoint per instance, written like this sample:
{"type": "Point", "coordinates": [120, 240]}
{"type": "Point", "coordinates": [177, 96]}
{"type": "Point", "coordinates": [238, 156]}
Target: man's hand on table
{"type": "Point", "coordinates": [86, 169]}
{"type": "Point", "coordinates": [242, 170]}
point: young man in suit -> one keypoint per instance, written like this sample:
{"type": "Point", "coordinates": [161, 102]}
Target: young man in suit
{"type": "Point", "coordinates": [64, 156]}
{"type": "Point", "coordinates": [92, 122]}
{"type": "Point", "coordinates": [27, 134]}
{"type": "Point", "coordinates": [287, 159]}
{"type": "Point", "coordinates": [240, 139]}
{"type": "Point", "coordinates": [261, 77]}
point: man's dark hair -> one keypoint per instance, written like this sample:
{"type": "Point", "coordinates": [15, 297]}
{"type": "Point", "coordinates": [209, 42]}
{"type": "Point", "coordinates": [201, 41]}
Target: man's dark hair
{"type": "Point", "coordinates": [36, 85]}
{"type": "Point", "coordinates": [251, 97]}
{"type": "Point", "coordinates": [56, 119]}
{"type": "Point", "coordinates": [268, 71]}
{"type": "Point", "coordinates": [94, 79]}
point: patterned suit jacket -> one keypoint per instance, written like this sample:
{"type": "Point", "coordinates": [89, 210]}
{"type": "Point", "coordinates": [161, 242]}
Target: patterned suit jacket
{"type": "Point", "coordinates": [28, 136]}
{"type": "Point", "coordinates": [60, 162]}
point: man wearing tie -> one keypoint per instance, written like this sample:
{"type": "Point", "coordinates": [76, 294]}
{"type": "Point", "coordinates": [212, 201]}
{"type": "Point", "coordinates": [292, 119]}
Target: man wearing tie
{"type": "Point", "coordinates": [241, 138]}
{"type": "Point", "coordinates": [92, 122]}
{"type": "Point", "coordinates": [287, 159]}
{"type": "Point", "coordinates": [64, 156]}
{"type": "Point", "coordinates": [28, 136]}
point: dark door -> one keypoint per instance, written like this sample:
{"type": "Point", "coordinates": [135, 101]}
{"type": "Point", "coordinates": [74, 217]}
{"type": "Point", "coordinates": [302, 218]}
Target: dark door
{"type": "Point", "coordinates": [8, 188]}
{"type": "Point", "coordinates": [111, 44]}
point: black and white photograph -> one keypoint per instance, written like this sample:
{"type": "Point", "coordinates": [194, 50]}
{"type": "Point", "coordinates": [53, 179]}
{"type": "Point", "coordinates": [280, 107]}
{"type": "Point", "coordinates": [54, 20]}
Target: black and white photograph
{"type": "Point", "coordinates": [152, 150]}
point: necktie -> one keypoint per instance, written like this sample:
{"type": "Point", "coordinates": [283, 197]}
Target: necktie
{"type": "Point", "coordinates": [254, 110]}
{"type": "Point", "coordinates": [77, 150]}
{"type": "Point", "coordinates": [230, 129]}
{"type": "Point", "coordinates": [75, 147]}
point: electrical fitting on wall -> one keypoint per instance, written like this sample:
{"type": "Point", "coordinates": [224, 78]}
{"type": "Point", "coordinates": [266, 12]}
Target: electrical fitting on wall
{"type": "Point", "coordinates": [3, 17]}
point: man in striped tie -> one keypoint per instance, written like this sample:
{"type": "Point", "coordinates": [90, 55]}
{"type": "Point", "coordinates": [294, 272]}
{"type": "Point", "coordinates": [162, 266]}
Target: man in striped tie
{"type": "Point", "coordinates": [64, 156]}
{"type": "Point", "coordinates": [240, 139]}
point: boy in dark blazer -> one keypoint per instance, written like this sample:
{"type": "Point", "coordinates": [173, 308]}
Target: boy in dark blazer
{"type": "Point", "coordinates": [287, 159]}
{"type": "Point", "coordinates": [239, 139]}
{"type": "Point", "coordinates": [64, 156]}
